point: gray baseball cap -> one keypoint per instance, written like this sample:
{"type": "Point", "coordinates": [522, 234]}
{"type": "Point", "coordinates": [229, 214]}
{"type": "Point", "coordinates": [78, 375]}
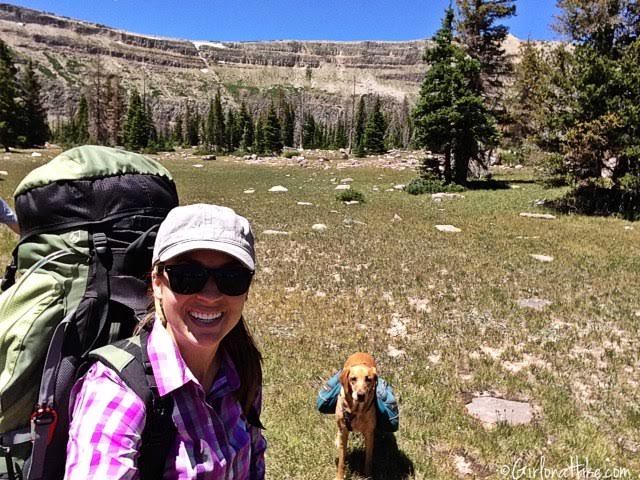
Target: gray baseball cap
{"type": "Point", "coordinates": [205, 227]}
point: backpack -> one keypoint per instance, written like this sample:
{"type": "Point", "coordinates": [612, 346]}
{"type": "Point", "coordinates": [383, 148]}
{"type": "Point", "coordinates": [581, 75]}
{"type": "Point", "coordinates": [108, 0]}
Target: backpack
{"type": "Point", "coordinates": [78, 281]}
{"type": "Point", "coordinates": [388, 417]}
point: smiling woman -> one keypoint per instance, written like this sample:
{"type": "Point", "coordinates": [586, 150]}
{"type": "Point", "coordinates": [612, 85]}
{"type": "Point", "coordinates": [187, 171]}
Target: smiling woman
{"type": "Point", "coordinates": [203, 360]}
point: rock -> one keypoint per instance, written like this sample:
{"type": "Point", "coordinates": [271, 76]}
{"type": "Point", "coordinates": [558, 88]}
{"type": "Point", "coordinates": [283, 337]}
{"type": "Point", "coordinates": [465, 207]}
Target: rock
{"type": "Point", "coordinates": [319, 227]}
{"type": "Point", "coordinates": [36, 154]}
{"type": "Point", "coordinates": [463, 466]}
{"type": "Point", "coordinates": [534, 303]}
{"type": "Point", "coordinates": [352, 202]}
{"type": "Point", "coordinates": [396, 218]}
{"type": "Point", "coordinates": [544, 216]}
{"type": "Point", "coordinates": [207, 158]}
{"type": "Point", "coordinates": [197, 165]}
{"type": "Point", "coordinates": [346, 180]}
{"type": "Point", "coordinates": [250, 190]}
{"type": "Point", "coordinates": [306, 204]}
{"type": "Point", "coordinates": [628, 227]}
{"type": "Point", "coordinates": [350, 221]}
{"type": "Point", "coordinates": [541, 258]}
{"type": "Point", "coordinates": [491, 410]}
{"type": "Point", "coordinates": [393, 352]}
{"type": "Point", "coordinates": [446, 196]}
{"type": "Point", "coordinates": [343, 187]}
{"type": "Point", "coordinates": [320, 294]}
{"type": "Point", "coordinates": [397, 327]}
{"type": "Point", "coordinates": [278, 189]}
{"type": "Point", "coordinates": [448, 228]}
{"type": "Point", "coordinates": [274, 232]}
{"type": "Point", "coordinates": [518, 167]}
{"type": "Point", "coordinates": [4, 173]}
{"type": "Point", "coordinates": [400, 186]}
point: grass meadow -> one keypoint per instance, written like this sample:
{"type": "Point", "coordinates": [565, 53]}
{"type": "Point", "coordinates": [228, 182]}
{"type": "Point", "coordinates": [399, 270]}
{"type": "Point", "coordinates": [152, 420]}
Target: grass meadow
{"type": "Point", "coordinates": [439, 311]}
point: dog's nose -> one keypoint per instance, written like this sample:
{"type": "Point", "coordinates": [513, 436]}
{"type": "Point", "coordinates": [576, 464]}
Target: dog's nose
{"type": "Point", "coordinates": [361, 397]}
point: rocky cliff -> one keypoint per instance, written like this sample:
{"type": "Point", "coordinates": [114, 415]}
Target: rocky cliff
{"type": "Point", "coordinates": [316, 76]}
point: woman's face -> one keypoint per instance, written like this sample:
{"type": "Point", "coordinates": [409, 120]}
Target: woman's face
{"type": "Point", "coordinates": [199, 320]}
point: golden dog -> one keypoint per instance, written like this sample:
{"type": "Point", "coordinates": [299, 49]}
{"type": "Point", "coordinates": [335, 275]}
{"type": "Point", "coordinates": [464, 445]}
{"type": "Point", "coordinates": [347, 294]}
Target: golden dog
{"type": "Point", "coordinates": [356, 409]}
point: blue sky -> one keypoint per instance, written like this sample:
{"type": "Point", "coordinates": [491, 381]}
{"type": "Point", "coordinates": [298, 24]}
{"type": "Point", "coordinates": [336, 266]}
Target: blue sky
{"type": "Point", "coordinates": [286, 19]}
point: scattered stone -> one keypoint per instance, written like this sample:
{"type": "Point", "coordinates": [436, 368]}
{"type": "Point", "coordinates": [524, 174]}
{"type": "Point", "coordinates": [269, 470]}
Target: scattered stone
{"type": "Point", "coordinates": [628, 227]}
{"type": "Point", "coordinates": [197, 165]}
{"type": "Point", "coordinates": [4, 173]}
{"type": "Point", "coordinates": [637, 313]}
{"type": "Point", "coordinates": [434, 358]}
{"type": "Point", "coordinates": [419, 304]}
{"type": "Point", "coordinates": [389, 190]}
{"type": "Point", "coordinates": [278, 189]}
{"type": "Point", "coordinates": [343, 186]}
{"type": "Point", "coordinates": [491, 410]}
{"type": "Point", "coordinates": [305, 204]}
{"type": "Point", "coordinates": [543, 216]}
{"type": "Point", "coordinates": [208, 158]}
{"type": "Point", "coordinates": [535, 237]}
{"type": "Point", "coordinates": [535, 303]}
{"type": "Point", "coordinates": [319, 227]}
{"type": "Point", "coordinates": [250, 190]}
{"type": "Point", "coordinates": [518, 167]}
{"type": "Point", "coordinates": [445, 196]}
{"type": "Point", "coordinates": [394, 352]}
{"type": "Point", "coordinates": [541, 258]}
{"type": "Point", "coordinates": [494, 353]}
{"type": "Point", "coordinates": [352, 202]}
{"type": "Point", "coordinates": [274, 232]}
{"type": "Point", "coordinates": [346, 180]}
{"type": "Point", "coordinates": [350, 221]}
{"type": "Point", "coordinates": [448, 228]}
{"type": "Point", "coordinates": [320, 294]}
{"type": "Point", "coordinates": [396, 218]}
{"type": "Point", "coordinates": [463, 466]}
{"type": "Point", "coordinates": [36, 154]}
{"type": "Point", "coordinates": [375, 189]}
{"type": "Point", "coordinates": [397, 327]}
{"type": "Point", "coordinates": [539, 202]}
{"type": "Point", "coordinates": [400, 186]}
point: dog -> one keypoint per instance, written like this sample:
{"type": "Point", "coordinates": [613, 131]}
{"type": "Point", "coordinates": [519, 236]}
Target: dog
{"type": "Point", "coordinates": [356, 408]}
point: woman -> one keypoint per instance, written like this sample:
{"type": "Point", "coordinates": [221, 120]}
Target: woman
{"type": "Point", "coordinates": [201, 354]}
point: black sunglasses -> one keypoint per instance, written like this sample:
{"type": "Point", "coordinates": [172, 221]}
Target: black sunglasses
{"type": "Point", "coordinates": [190, 278]}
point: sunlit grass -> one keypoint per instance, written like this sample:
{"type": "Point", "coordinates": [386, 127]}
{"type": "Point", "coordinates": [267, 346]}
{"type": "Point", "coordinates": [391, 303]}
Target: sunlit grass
{"type": "Point", "coordinates": [320, 296]}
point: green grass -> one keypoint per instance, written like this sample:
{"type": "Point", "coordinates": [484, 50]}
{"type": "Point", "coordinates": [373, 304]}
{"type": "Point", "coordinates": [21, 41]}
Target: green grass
{"type": "Point", "coordinates": [318, 297]}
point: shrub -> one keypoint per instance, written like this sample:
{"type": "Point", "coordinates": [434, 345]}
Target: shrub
{"type": "Point", "coordinates": [290, 153]}
{"type": "Point", "coordinates": [630, 196]}
{"type": "Point", "coordinates": [350, 196]}
{"type": "Point", "coordinates": [430, 184]}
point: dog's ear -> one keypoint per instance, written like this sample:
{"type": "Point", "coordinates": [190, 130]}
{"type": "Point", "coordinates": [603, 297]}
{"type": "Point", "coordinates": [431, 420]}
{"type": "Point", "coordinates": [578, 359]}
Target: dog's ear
{"type": "Point", "coordinates": [344, 379]}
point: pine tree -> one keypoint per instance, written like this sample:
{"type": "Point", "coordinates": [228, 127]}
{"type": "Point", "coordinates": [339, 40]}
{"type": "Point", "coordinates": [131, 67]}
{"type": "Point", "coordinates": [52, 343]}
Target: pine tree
{"type": "Point", "coordinates": [483, 39]}
{"type": "Point", "coordinates": [341, 139]}
{"type": "Point", "coordinates": [136, 128]}
{"type": "Point", "coordinates": [288, 123]}
{"type": "Point", "coordinates": [218, 123]}
{"type": "Point", "coordinates": [374, 131]}
{"type": "Point", "coordinates": [271, 131]}
{"type": "Point", "coordinates": [35, 129]}
{"type": "Point", "coordinates": [209, 134]}
{"type": "Point", "coordinates": [450, 117]}
{"type": "Point", "coordinates": [231, 134]}
{"type": "Point", "coordinates": [358, 134]}
{"type": "Point", "coordinates": [8, 94]}
{"type": "Point", "coordinates": [80, 135]}
{"type": "Point", "coordinates": [178, 133]}
{"type": "Point", "coordinates": [258, 140]}
{"type": "Point", "coordinates": [309, 131]}
{"type": "Point", "coordinates": [245, 127]}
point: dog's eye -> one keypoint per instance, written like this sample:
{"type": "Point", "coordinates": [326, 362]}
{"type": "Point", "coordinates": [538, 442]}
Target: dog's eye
{"type": "Point", "coordinates": [353, 379]}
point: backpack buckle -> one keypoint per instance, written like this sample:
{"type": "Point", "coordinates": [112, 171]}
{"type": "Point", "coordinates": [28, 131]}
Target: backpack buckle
{"type": "Point", "coordinates": [44, 416]}
{"type": "Point", "coordinates": [100, 242]}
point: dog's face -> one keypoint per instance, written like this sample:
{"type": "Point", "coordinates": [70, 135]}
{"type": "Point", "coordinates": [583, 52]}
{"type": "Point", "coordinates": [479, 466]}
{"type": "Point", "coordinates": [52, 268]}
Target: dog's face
{"type": "Point", "coordinates": [359, 382]}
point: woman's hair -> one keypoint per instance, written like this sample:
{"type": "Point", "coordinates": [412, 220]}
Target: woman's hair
{"type": "Point", "coordinates": [244, 353]}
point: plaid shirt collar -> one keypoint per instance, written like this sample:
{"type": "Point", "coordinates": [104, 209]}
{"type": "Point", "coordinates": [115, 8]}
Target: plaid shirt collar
{"type": "Point", "coordinates": [172, 372]}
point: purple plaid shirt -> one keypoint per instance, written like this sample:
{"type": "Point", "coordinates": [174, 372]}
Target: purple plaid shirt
{"type": "Point", "coordinates": [214, 440]}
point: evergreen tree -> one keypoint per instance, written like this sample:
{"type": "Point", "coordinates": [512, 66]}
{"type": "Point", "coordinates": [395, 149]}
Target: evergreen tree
{"type": "Point", "coordinates": [375, 130]}
{"type": "Point", "coordinates": [340, 137]}
{"type": "Point", "coordinates": [271, 131]}
{"type": "Point", "coordinates": [115, 109]}
{"type": "Point", "coordinates": [177, 136]}
{"type": "Point", "coordinates": [358, 134]}
{"type": "Point", "coordinates": [483, 38]}
{"type": "Point", "coordinates": [96, 95]}
{"type": "Point", "coordinates": [8, 94]}
{"type": "Point", "coordinates": [258, 140]}
{"type": "Point", "coordinates": [218, 125]}
{"type": "Point", "coordinates": [231, 134]}
{"type": "Point", "coordinates": [35, 128]}
{"type": "Point", "coordinates": [309, 131]}
{"type": "Point", "coordinates": [80, 123]}
{"type": "Point", "coordinates": [136, 129]}
{"type": "Point", "coordinates": [450, 117]}
{"type": "Point", "coordinates": [191, 125]}
{"type": "Point", "coordinates": [245, 127]}
{"type": "Point", "coordinates": [209, 135]}
{"type": "Point", "coordinates": [288, 124]}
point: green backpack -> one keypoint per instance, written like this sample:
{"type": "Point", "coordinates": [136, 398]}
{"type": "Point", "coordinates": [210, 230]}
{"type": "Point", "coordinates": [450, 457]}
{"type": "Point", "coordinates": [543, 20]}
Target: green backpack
{"type": "Point", "coordinates": [78, 281]}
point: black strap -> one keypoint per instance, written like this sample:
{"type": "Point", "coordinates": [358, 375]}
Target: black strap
{"type": "Point", "coordinates": [159, 430]}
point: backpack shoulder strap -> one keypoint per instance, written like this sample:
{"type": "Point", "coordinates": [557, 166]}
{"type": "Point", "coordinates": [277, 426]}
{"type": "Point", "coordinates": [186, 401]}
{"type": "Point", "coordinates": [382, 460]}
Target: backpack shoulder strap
{"type": "Point", "coordinates": [130, 360]}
